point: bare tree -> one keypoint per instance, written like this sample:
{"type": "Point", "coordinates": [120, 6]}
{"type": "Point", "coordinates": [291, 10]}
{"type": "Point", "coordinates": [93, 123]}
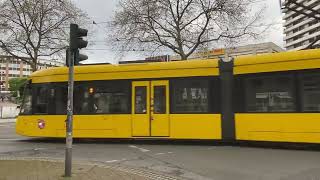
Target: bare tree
{"type": "Point", "coordinates": [35, 28]}
{"type": "Point", "coordinates": [182, 25]}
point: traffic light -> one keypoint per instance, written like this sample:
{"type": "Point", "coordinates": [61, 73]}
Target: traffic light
{"type": "Point", "coordinates": [76, 34]}
{"type": "Point", "coordinates": [76, 42]}
{"type": "Point", "coordinates": [79, 57]}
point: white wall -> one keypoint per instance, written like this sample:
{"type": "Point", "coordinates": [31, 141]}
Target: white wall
{"type": "Point", "coordinates": [9, 111]}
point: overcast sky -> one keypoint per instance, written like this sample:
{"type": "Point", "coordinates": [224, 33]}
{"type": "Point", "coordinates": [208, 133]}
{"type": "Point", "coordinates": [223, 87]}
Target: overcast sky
{"type": "Point", "coordinates": [102, 11]}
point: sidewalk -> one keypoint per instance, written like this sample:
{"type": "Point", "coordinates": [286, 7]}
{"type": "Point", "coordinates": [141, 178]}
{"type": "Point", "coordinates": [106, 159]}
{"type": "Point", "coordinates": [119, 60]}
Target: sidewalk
{"type": "Point", "coordinates": [50, 170]}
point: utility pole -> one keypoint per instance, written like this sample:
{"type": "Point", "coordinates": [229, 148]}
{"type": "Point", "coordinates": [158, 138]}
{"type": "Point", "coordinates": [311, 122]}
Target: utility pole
{"type": "Point", "coordinates": [72, 58]}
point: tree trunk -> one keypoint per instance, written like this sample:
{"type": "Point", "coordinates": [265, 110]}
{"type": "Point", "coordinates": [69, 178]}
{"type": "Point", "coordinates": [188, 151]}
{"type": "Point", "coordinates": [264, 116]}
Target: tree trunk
{"type": "Point", "coordinates": [183, 57]}
{"type": "Point", "coordinates": [34, 66]}
{"type": "Point", "coordinates": [35, 61]}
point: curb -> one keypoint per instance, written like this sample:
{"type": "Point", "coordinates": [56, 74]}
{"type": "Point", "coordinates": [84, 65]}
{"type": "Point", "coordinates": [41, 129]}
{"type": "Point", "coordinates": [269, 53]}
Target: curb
{"type": "Point", "coordinates": [7, 120]}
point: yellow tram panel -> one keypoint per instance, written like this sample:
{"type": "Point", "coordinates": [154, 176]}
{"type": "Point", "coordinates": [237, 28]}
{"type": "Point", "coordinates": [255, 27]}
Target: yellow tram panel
{"type": "Point", "coordinates": [28, 125]}
{"type": "Point", "coordinates": [182, 126]}
{"type": "Point", "coordinates": [102, 126]}
{"type": "Point", "coordinates": [84, 126]}
{"type": "Point", "coordinates": [195, 126]}
{"type": "Point", "coordinates": [280, 127]}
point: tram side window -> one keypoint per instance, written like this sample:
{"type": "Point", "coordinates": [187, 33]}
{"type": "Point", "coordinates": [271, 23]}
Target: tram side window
{"type": "Point", "coordinates": [190, 96]}
{"type": "Point", "coordinates": [159, 106]}
{"type": "Point", "coordinates": [270, 94]}
{"type": "Point", "coordinates": [42, 94]}
{"type": "Point", "coordinates": [310, 92]}
{"type": "Point", "coordinates": [61, 98]}
{"type": "Point", "coordinates": [103, 97]}
{"type": "Point", "coordinates": [26, 107]}
{"type": "Point", "coordinates": [140, 100]}
{"type": "Point", "coordinates": [82, 102]}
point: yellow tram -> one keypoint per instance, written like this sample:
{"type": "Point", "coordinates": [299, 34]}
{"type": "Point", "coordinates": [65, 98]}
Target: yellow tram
{"type": "Point", "coordinates": [271, 97]}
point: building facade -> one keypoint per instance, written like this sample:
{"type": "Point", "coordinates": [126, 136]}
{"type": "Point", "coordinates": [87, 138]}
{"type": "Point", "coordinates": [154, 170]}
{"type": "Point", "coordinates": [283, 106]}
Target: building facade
{"type": "Point", "coordinates": [11, 67]}
{"type": "Point", "coordinates": [301, 30]}
{"type": "Point", "coordinates": [251, 49]}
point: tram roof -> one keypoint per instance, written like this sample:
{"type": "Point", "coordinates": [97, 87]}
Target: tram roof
{"type": "Point", "coordinates": [312, 54]}
{"type": "Point", "coordinates": [190, 64]}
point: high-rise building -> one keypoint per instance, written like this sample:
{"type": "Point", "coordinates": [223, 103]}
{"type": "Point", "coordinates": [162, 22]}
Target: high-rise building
{"type": "Point", "coordinates": [302, 24]}
{"type": "Point", "coordinates": [11, 67]}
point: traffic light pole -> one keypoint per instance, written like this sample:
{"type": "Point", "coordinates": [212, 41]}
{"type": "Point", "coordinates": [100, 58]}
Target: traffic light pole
{"type": "Point", "coordinates": [69, 121]}
{"type": "Point", "coordinates": [73, 58]}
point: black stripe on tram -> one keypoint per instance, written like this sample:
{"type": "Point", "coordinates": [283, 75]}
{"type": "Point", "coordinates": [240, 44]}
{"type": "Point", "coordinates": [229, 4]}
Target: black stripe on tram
{"type": "Point", "coordinates": [227, 114]}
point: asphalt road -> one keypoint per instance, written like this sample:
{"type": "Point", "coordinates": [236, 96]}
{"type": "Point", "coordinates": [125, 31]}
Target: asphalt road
{"type": "Point", "coordinates": [187, 160]}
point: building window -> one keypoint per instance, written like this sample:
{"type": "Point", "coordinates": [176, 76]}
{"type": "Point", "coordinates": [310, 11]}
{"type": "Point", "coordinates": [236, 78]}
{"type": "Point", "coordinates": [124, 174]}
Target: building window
{"type": "Point", "coordinates": [305, 42]}
{"type": "Point", "coordinates": [270, 94]}
{"type": "Point", "coordinates": [297, 45]}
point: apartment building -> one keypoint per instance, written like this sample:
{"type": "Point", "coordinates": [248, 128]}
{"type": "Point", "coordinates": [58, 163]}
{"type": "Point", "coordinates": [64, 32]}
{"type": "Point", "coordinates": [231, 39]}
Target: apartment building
{"type": "Point", "coordinates": [300, 29]}
{"type": "Point", "coordinates": [11, 67]}
{"type": "Point", "coordinates": [250, 49]}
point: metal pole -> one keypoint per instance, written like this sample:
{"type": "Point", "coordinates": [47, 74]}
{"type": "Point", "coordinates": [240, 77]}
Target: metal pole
{"type": "Point", "coordinates": [68, 157]}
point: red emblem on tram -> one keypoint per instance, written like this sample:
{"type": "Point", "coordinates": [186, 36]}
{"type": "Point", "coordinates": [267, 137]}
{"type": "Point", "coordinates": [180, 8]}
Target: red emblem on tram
{"type": "Point", "coordinates": [41, 124]}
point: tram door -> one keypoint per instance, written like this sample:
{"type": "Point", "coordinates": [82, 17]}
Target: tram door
{"type": "Point", "coordinates": [150, 108]}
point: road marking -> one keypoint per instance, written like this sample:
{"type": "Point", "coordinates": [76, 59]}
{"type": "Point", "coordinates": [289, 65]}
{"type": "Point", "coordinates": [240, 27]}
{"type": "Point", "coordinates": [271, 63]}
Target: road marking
{"type": "Point", "coordinates": [163, 153]}
{"type": "Point", "coordinates": [115, 160]}
{"type": "Point", "coordinates": [210, 148]}
{"type": "Point", "coordinates": [141, 149]}
{"type": "Point", "coordinates": [111, 161]}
